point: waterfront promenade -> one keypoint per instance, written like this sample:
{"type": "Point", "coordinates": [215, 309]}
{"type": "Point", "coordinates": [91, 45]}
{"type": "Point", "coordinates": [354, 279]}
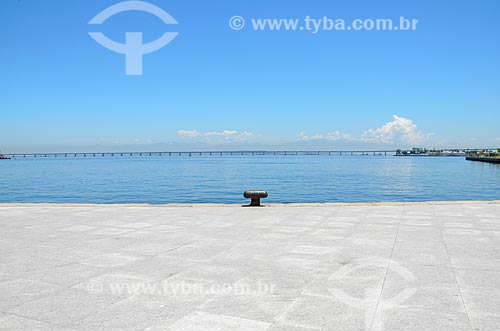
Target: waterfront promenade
{"type": "Point", "coordinates": [424, 266]}
{"type": "Point", "coordinates": [484, 159]}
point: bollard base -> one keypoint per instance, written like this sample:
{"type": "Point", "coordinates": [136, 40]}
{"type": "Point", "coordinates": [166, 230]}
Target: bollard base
{"type": "Point", "coordinates": [255, 202]}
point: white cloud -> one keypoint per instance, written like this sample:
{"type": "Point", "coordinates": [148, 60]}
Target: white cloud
{"type": "Point", "coordinates": [188, 133]}
{"type": "Point", "coordinates": [333, 136]}
{"type": "Point", "coordinates": [400, 130]}
{"type": "Point", "coordinates": [226, 135]}
{"type": "Point", "coordinates": [337, 135]}
{"type": "Point", "coordinates": [498, 139]}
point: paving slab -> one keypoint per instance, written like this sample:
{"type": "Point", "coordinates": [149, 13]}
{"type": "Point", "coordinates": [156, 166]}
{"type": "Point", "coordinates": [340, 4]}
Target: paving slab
{"type": "Point", "coordinates": [425, 266]}
{"type": "Point", "coordinates": [18, 323]}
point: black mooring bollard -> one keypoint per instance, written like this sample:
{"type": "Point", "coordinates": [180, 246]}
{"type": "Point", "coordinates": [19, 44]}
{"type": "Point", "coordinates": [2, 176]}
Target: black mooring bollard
{"type": "Point", "coordinates": [255, 195]}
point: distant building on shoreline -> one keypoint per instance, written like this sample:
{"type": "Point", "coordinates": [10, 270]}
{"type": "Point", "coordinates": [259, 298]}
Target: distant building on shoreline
{"type": "Point", "coordinates": [449, 152]}
{"type": "Point", "coordinates": [426, 152]}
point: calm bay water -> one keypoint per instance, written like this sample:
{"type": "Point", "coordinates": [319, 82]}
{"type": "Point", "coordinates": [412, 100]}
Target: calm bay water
{"type": "Point", "coordinates": [210, 179]}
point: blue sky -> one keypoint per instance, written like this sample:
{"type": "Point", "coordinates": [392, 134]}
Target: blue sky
{"type": "Point", "coordinates": [436, 86]}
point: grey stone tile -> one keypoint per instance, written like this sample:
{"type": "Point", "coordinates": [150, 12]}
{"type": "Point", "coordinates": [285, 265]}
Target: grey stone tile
{"type": "Point", "coordinates": [411, 275]}
{"type": "Point", "coordinates": [109, 231]}
{"type": "Point", "coordinates": [111, 260]}
{"type": "Point", "coordinates": [353, 252]}
{"type": "Point", "coordinates": [153, 248]}
{"type": "Point", "coordinates": [419, 234]}
{"type": "Point", "coordinates": [78, 228]}
{"type": "Point", "coordinates": [67, 275]}
{"type": "Point", "coordinates": [365, 240]}
{"type": "Point", "coordinates": [484, 322]}
{"type": "Point", "coordinates": [405, 319]}
{"type": "Point", "coordinates": [313, 250]}
{"type": "Point", "coordinates": [64, 308]}
{"type": "Point", "coordinates": [481, 301]}
{"type": "Point", "coordinates": [462, 232]}
{"type": "Point", "coordinates": [256, 307]}
{"type": "Point", "coordinates": [426, 222]}
{"type": "Point", "coordinates": [486, 248]}
{"type": "Point", "coordinates": [16, 292]}
{"type": "Point", "coordinates": [18, 323]}
{"type": "Point", "coordinates": [136, 225]}
{"type": "Point", "coordinates": [421, 256]}
{"type": "Point", "coordinates": [362, 279]}
{"type": "Point", "coordinates": [201, 321]}
{"type": "Point", "coordinates": [25, 264]}
{"type": "Point", "coordinates": [443, 299]}
{"type": "Point", "coordinates": [196, 252]}
{"type": "Point", "coordinates": [159, 267]}
{"type": "Point", "coordinates": [286, 282]}
{"type": "Point", "coordinates": [65, 253]}
{"type": "Point", "coordinates": [320, 240]}
{"type": "Point", "coordinates": [475, 263]}
{"type": "Point", "coordinates": [137, 313]}
{"type": "Point", "coordinates": [483, 279]}
{"type": "Point", "coordinates": [288, 327]}
{"type": "Point", "coordinates": [290, 261]}
{"type": "Point", "coordinates": [214, 273]}
{"type": "Point", "coordinates": [462, 225]}
{"type": "Point", "coordinates": [328, 314]}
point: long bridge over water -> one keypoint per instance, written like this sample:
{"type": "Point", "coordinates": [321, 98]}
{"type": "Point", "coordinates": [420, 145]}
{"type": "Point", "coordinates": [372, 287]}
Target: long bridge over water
{"type": "Point", "coordinates": [200, 153]}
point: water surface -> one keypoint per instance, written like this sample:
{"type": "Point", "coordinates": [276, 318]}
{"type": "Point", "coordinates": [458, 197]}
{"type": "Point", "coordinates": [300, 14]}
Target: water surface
{"type": "Point", "coordinates": [213, 179]}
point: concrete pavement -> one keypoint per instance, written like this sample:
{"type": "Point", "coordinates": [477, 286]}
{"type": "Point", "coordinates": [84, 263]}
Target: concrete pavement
{"type": "Point", "coordinates": [330, 267]}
